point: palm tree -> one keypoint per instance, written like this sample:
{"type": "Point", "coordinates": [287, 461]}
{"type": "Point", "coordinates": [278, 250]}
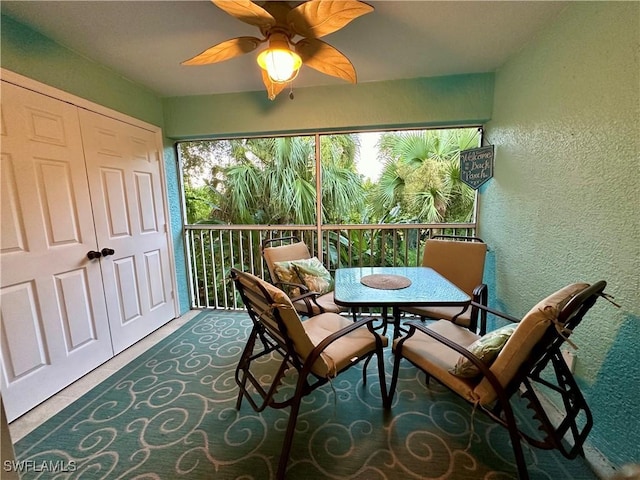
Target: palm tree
{"type": "Point", "coordinates": [342, 187]}
{"type": "Point", "coordinates": [421, 176]}
{"type": "Point", "coordinates": [273, 181]}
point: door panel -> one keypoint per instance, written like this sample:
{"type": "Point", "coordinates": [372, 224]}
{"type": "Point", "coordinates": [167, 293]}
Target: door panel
{"type": "Point", "coordinates": [22, 334]}
{"type": "Point", "coordinates": [12, 236]}
{"type": "Point", "coordinates": [74, 298]}
{"type": "Point", "coordinates": [59, 213]}
{"type": "Point", "coordinates": [53, 312]}
{"type": "Point", "coordinates": [123, 166]}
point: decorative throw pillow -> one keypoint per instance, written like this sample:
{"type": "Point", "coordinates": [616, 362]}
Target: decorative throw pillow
{"type": "Point", "coordinates": [314, 275]}
{"type": "Point", "coordinates": [486, 348]}
{"type": "Point", "coordinates": [286, 272]}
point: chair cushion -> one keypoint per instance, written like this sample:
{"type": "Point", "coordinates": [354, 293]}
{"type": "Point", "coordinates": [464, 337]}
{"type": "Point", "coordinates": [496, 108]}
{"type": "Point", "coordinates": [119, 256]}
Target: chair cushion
{"type": "Point", "coordinates": [325, 301]}
{"type": "Point", "coordinates": [460, 262]}
{"type": "Point", "coordinates": [438, 313]}
{"type": "Point", "coordinates": [528, 332]}
{"type": "Point", "coordinates": [308, 334]}
{"type": "Point", "coordinates": [340, 353]}
{"type": "Point", "coordinates": [314, 275]}
{"type": "Point", "coordinates": [293, 251]}
{"type": "Point", "coordinates": [486, 348]}
{"type": "Point", "coordinates": [437, 359]}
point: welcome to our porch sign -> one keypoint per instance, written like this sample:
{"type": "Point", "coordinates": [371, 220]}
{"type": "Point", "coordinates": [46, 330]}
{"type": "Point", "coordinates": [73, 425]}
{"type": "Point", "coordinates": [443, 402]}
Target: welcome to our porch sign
{"type": "Point", "coordinates": [476, 166]}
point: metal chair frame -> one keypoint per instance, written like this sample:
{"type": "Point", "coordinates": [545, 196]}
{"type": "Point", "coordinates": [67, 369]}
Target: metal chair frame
{"type": "Point", "coordinates": [567, 436]}
{"type": "Point", "coordinates": [480, 294]}
{"type": "Point", "coordinates": [309, 297]}
{"type": "Point", "coordinates": [260, 305]}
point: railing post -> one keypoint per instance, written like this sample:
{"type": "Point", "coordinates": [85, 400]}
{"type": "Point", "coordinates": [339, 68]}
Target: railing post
{"type": "Point", "coordinates": [214, 249]}
{"type": "Point", "coordinates": [318, 199]}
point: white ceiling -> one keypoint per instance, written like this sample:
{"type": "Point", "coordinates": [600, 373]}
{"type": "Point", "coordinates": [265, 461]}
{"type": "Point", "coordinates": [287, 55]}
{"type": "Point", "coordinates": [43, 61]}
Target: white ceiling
{"type": "Point", "coordinates": [145, 41]}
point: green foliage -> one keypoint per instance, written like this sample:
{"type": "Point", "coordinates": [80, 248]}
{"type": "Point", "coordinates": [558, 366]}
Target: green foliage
{"type": "Point", "coordinates": [421, 176]}
{"type": "Point", "coordinates": [273, 180]}
{"type": "Point", "coordinates": [200, 203]}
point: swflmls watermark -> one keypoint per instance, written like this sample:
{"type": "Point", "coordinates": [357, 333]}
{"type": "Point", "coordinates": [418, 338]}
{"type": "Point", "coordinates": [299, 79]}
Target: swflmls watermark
{"type": "Point", "coordinates": [53, 466]}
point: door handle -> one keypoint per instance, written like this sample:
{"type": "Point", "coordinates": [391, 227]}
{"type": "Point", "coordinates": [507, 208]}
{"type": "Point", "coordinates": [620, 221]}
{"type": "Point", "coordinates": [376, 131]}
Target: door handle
{"type": "Point", "coordinates": [107, 251]}
{"type": "Point", "coordinates": [92, 254]}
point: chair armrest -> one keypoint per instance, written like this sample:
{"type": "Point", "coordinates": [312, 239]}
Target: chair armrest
{"type": "Point", "coordinates": [301, 286]}
{"type": "Point", "coordinates": [484, 369]}
{"type": "Point", "coordinates": [497, 313]}
{"type": "Point", "coordinates": [480, 296]}
{"type": "Point", "coordinates": [308, 298]}
{"type": "Point", "coordinates": [480, 293]}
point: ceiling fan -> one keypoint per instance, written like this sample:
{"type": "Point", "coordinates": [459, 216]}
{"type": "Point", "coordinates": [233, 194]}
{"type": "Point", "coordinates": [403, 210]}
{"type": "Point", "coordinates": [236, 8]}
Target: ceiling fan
{"type": "Point", "coordinates": [280, 23]}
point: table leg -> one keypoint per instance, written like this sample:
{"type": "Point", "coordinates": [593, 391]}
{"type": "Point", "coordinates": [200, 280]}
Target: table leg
{"type": "Point", "coordinates": [396, 322]}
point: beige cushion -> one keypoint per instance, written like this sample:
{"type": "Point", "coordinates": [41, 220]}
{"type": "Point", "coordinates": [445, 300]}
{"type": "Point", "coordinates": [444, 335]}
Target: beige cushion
{"type": "Point", "coordinates": [446, 313]}
{"type": "Point", "coordinates": [339, 354]}
{"type": "Point", "coordinates": [283, 253]}
{"type": "Point", "coordinates": [437, 359]}
{"type": "Point", "coordinates": [307, 335]}
{"type": "Point", "coordinates": [460, 262]}
{"type": "Point", "coordinates": [325, 301]}
{"type": "Point", "coordinates": [529, 332]}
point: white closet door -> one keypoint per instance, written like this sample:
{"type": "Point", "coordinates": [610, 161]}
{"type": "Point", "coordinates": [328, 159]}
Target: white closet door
{"type": "Point", "coordinates": [53, 312]}
{"type": "Point", "coordinates": [123, 165]}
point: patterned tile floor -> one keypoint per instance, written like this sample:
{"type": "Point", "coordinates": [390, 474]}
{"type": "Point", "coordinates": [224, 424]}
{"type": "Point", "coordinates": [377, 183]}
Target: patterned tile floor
{"type": "Point", "coordinates": [35, 417]}
{"type": "Point", "coordinates": [22, 426]}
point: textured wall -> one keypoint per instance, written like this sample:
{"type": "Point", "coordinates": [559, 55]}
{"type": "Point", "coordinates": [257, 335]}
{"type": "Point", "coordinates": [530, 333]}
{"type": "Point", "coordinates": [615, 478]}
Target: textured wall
{"type": "Point", "coordinates": [35, 56]}
{"type": "Point", "coordinates": [564, 204]}
{"type": "Point", "coordinates": [177, 231]}
{"type": "Point", "coordinates": [440, 101]}
{"type": "Point", "coordinates": [30, 54]}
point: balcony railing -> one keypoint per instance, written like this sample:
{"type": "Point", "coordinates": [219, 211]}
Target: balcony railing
{"type": "Point", "coordinates": [214, 249]}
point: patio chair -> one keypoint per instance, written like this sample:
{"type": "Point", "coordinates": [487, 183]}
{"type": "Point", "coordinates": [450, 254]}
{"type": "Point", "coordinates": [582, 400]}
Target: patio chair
{"type": "Point", "coordinates": [462, 361]}
{"type": "Point", "coordinates": [310, 293]}
{"type": "Point", "coordinates": [319, 349]}
{"type": "Point", "coordinates": [461, 261]}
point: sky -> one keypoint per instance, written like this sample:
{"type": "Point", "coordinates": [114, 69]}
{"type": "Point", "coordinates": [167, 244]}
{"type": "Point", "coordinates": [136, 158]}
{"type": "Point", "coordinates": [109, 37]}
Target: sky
{"type": "Point", "coordinates": [366, 159]}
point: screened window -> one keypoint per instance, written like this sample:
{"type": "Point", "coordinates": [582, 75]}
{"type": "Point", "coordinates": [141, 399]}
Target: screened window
{"type": "Point", "coordinates": [408, 176]}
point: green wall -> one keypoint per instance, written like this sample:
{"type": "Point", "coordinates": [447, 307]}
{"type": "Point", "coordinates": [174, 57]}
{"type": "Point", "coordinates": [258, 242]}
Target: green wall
{"type": "Point", "coordinates": [30, 54]}
{"type": "Point", "coordinates": [564, 204]}
{"type": "Point", "coordinates": [441, 101]}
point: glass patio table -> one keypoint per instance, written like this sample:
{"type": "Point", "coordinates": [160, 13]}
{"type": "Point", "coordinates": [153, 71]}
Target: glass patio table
{"type": "Point", "coordinates": [395, 287]}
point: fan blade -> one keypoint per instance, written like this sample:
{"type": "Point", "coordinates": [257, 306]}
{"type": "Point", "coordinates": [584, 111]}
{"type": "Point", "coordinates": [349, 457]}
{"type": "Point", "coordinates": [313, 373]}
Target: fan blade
{"type": "Point", "coordinates": [317, 18]}
{"type": "Point", "coordinates": [273, 88]}
{"type": "Point", "coordinates": [247, 11]}
{"type": "Point", "coordinates": [323, 57]}
{"type": "Point", "coordinates": [225, 50]}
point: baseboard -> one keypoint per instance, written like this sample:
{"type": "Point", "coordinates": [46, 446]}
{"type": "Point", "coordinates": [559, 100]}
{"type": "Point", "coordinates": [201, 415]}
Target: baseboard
{"type": "Point", "coordinates": [600, 465]}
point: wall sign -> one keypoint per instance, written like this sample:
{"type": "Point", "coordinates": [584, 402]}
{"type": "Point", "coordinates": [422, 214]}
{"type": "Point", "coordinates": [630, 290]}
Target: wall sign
{"type": "Point", "coordinates": [476, 166]}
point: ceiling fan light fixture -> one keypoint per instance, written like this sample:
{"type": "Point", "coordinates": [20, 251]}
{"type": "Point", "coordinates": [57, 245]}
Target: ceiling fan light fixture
{"type": "Point", "coordinates": [281, 63]}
